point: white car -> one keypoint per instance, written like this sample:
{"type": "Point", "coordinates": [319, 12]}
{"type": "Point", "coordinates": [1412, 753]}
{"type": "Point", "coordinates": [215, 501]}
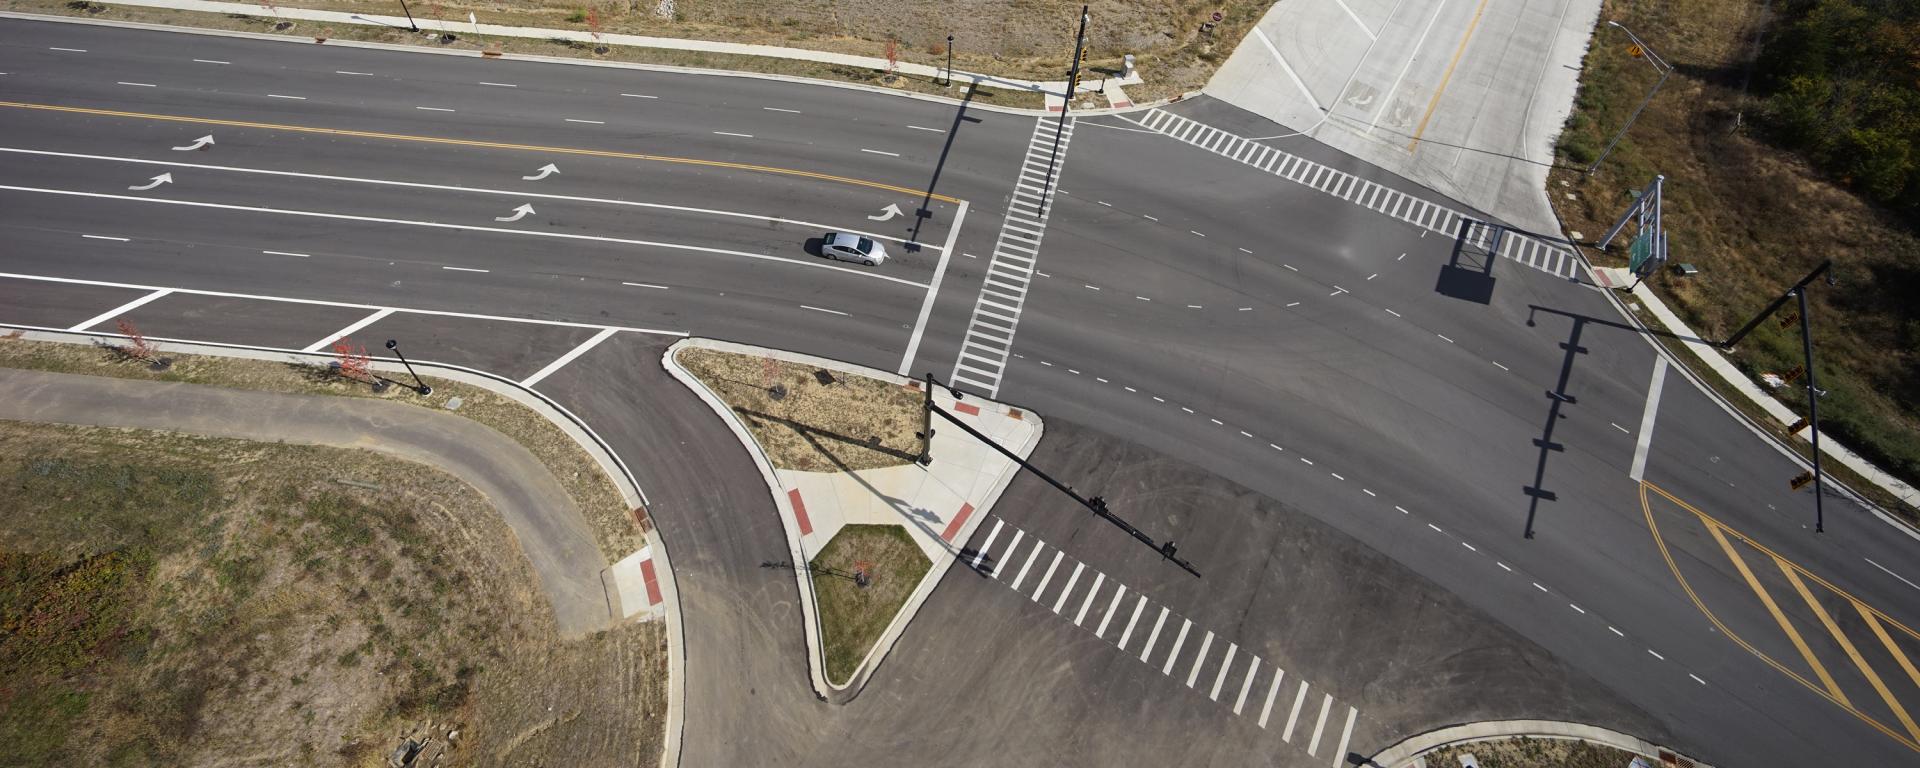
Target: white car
{"type": "Point", "coordinates": [854, 248]}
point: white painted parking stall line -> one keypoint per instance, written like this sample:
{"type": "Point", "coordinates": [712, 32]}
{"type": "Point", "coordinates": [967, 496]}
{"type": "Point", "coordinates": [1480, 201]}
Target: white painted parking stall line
{"type": "Point", "coordinates": [122, 309]}
{"type": "Point", "coordinates": [569, 357]}
{"type": "Point", "coordinates": [347, 331]}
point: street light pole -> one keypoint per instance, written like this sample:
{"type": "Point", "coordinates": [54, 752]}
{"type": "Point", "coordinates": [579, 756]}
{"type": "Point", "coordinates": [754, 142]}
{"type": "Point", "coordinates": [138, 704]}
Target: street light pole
{"type": "Point", "coordinates": [1813, 412]}
{"type": "Point", "coordinates": [418, 385]}
{"type": "Point", "coordinates": [1073, 82]}
{"type": "Point", "coordinates": [1658, 64]}
{"type": "Point", "coordinates": [949, 61]}
{"type": "Point", "coordinates": [409, 13]}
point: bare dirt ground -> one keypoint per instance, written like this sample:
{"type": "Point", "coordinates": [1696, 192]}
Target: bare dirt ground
{"type": "Point", "coordinates": [176, 600]}
{"type": "Point", "coordinates": [853, 423]}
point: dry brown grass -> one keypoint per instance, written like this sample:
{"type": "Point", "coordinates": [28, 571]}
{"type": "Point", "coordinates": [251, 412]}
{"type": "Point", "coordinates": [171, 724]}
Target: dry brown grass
{"type": "Point", "coordinates": [285, 605]}
{"type": "Point", "coordinates": [853, 423]}
{"type": "Point", "coordinates": [592, 491]}
{"type": "Point", "coordinates": [1532, 753]}
{"type": "Point", "coordinates": [1753, 218]}
{"type": "Point", "coordinates": [1032, 39]}
{"type": "Point", "coordinates": [852, 617]}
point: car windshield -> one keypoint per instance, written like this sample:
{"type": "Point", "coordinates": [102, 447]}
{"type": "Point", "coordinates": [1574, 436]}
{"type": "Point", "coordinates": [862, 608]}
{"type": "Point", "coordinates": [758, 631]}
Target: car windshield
{"type": "Point", "coordinates": [865, 246]}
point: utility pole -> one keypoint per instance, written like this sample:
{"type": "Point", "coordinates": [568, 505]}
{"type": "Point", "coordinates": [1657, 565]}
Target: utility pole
{"type": "Point", "coordinates": [1073, 82]}
{"type": "Point", "coordinates": [1659, 64]}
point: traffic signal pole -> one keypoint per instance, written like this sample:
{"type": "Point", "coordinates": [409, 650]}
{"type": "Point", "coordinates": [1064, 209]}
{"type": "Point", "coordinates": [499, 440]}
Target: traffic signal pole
{"type": "Point", "coordinates": [1073, 82]}
{"type": "Point", "coordinates": [1813, 411]}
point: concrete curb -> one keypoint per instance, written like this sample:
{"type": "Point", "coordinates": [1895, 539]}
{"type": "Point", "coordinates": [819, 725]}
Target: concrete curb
{"type": "Point", "coordinates": [669, 68]}
{"type": "Point", "coordinates": [1408, 751]}
{"type": "Point", "coordinates": [575, 428]}
{"type": "Point", "coordinates": [803, 577]}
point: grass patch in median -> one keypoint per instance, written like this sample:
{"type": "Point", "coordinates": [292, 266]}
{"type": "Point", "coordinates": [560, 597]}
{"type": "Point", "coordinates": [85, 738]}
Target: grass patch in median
{"type": "Point", "coordinates": [853, 617]}
{"type": "Point", "coordinates": [852, 423]}
{"type": "Point", "coordinates": [1523, 752]}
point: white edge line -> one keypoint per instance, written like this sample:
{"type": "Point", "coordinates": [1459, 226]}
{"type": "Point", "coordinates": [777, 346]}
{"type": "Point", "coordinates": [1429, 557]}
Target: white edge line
{"type": "Point", "coordinates": [933, 290]}
{"type": "Point", "coordinates": [347, 331]}
{"type": "Point", "coordinates": [1301, 84]}
{"type": "Point", "coordinates": [127, 307]}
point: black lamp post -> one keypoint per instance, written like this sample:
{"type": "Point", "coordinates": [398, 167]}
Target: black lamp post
{"type": "Point", "coordinates": [949, 61]}
{"type": "Point", "coordinates": [418, 385]}
{"type": "Point", "coordinates": [409, 13]}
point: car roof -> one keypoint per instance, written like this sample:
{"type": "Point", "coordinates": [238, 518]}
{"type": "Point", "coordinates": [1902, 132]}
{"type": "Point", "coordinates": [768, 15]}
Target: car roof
{"type": "Point", "coordinates": [844, 238]}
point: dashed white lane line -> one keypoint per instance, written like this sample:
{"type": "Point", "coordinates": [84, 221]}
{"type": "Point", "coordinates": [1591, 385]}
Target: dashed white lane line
{"type": "Point", "coordinates": [1130, 389]}
{"type": "Point", "coordinates": [1148, 218]}
{"type": "Point", "coordinates": [1275, 447]}
{"type": "Point", "coordinates": [284, 96]}
{"type": "Point", "coordinates": [211, 61]}
{"type": "Point", "coordinates": [68, 50]}
{"type": "Point", "coordinates": [1178, 641]}
{"type": "Point", "coordinates": [1391, 312]}
{"type": "Point", "coordinates": [1267, 709]}
{"type": "Point", "coordinates": [1047, 364]}
{"type": "Point", "coordinates": [1292, 267]}
{"type": "Point", "coordinates": [1294, 716]}
{"type": "Point", "coordinates": [1197, 234]}
{"type": "Point", "coordinates": [1536, 585]}
{"type": "Point", "coordinates": [1195, 306]}
{"type": "Point", "coordinates": [777, 109]}
{"type": "Point", "coordinates": [922, 128]}
{"type": "Point", "coordinates": [638, 96]}
{"type": "Point", "coordinates": [1246, 309]}
{"type": "Point", "coordinates": [1306, 461]}
{"type": "Point", "coordinates": [1113, 607]}
{"type": "Point", "coordinates": [1105, 203]}
{"type": "Point", "coordinates": [1200, 660]}
{"type": "Point", "coordinates": [1501, 367]}
{"type": "Point", "coordinates": [1243, 250]}
{"type": "Point", "coordinates": [1217, 422]}
{"type": "Point", "coordinates": [1403, 510]}
{"type": "Point", "coordinates": [1436, 529]}
{"type": "Point", "coordinates": [1369, 492]}
{"type": "Point", "coordinates": [1188, 410]}
{"type": "Point", "coordinates": [1696, 678]}
{"type": "Point", "coordinates": [1101, 380]}
{"type": "Point", "coordinates": [1470, 547]}
{"type": "Point", "coordinates": [1225, 664]}
{"type": "Point", "coordinates": [1143, 298]}
{"type": "Point", "coordinates": [828, 311]}
{"type": "Point", "coordinates": [1623, 430]}
{"type": "Point", "coordinates": [1098, 579]}
{"type": "Point", "coordinates": [1404, 256]}
{"type": "Point", "coordinates": [646, 285]}
{"type": "Point", "coordinates": [878, 152]}
{"type": "Point", "coordinates": [588, 122]}
{"type": "Point", "coordinates": [287, 253]}
{"type": "Point", "coordinates": [1159, 399]}
{"type": "Point", "coordinates": [1336, 476]}
{"type": "Point", "coordinates": [1068, 589]}
{"type": "Point", "coordinates": [1616, 631]}
{"type": "Point", "coordinates": [106, 237]}
{"type": "Point", "coordinates": [1443, 337]}
{"type": "Point", "coordinates": [1582, 611]}
{"type": "Point", "coordinates": [435, 109]}
{"type": "Point", "coordinates": [466, 269]}
{"type": "Point", "coordinates": [1372, 276]}
{"type": "Point", "coordinates": [1656, 654]}
{"type": "Point", "coordinates": [1127, 633]}
{"type": "Point", "coordinates": [1244, 433]}
{"type": "Point", "coordinates": [139, 85]}
{"type": "Point", "coordinates": [1294, 304]}
{"type": "Point", "coordinates": [730, 133]}
{"type": "Point", "coordinates": [352, 74]}
{"type": "Point", "coordinates": [499, 85]}
{"type": "Point", "coordinates": [1503, 566]}
{"type": "Point", "coordinates": [1090, 287]}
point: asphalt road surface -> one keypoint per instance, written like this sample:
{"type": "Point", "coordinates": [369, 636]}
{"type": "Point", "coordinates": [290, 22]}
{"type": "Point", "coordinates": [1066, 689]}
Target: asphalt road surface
{"type": "Point", "coordinates": [1264, 373]}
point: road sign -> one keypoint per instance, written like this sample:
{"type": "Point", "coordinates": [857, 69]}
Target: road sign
{"type": "Point", "coordinates": [1800, 481]}
{"type": "Point", "coordinates": [1636, 51]}
{"type": "Point", "coordinates": [1639, 252]}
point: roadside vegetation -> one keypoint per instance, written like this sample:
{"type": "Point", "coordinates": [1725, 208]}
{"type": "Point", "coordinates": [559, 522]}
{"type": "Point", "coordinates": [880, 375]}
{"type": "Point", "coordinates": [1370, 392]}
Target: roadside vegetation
{"type": "Point", "coordinates": [854, 616]}
{"type": "Point", "coordinates": [177, 600]}
{"type": "Point", "coordinates": [1786, 138]}
{"type": "Point", "coordinates": [1028, 40]}
{"type": "Point", "coordinates": [1523, 752]}
{"type": "Point", "coordinates": [808, 425]}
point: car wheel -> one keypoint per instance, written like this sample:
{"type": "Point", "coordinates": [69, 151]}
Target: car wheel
{"type": "Point", "coordinates": [868, 262]}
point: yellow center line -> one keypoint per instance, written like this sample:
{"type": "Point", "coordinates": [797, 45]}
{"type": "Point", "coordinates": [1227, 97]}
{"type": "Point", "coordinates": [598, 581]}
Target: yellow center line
{"type": "Point", "coordinates": [1435, 101]}
{"type": "Point", "coordinates": [1774, 608]}
{"type": "Point", "coordinates": [1873, 678]}
{"type": "Point", "coordinates": [481, 144]}
{"type": "Point", "coordinates": [1881, 632]}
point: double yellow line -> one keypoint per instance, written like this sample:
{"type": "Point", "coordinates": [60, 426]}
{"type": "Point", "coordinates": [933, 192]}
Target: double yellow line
{"type": "Point", "coordinates": [481, 144]}
{"type": "Point", "coordinates": [1798, 578]}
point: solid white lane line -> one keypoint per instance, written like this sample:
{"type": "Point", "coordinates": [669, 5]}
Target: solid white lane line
{"type": "Point", "coordinates": [347, 331]}
{"type": "Point", "coordinates": [1246, 685]}
{"type": "Point", "coordinates": [1294, 716]}
{"type": "Point", "coordinates": [1200, 660]}
{"type": "Point", "coordinates": [1112, 606]}
{"type": "Point", "coordinates": [588, 122]}
{"type": "Point", "coordinates": [1226, 663]}
{"type": "Point", "coordinates": [729, 133]}
{"type": "Point", "coordinates": [999, 566]}
{"type": "Point", "coordinates": [1418, 44]}
{"type": "Point", "coordinates": [283, 96]}
{"type": "Point", "coordinates": [211, 61]}
{"type": "Point", "coordinates": [1028, 565]}
{"type": "Point", "coordinates": [638, 96]}
{"type": "Point", "coordinates": [466, 269]}
{"type": "Point", "coordinates": [569, 357]}
{"type": "Point", "coordinates": [1883, 568]}
{"type": "Point", "coordinates": [1098, 579]}
{"type": "Point", "coordinates": [933, 289]}
{"type": "Point", "coordinates": [1067, 591]}
{"type": "Point", "coordinates": [1267, 709]}
{"type": "Point", "coordinates": [1153, 636]}
{"type": "Point", "coordinates": [140, 85]}
{"type": "Point", "coordinates": [777, 109]}
{"type": "Point", "coordinates": [353, 74]}
{"type": "Point", "coordinates": [435, 109]}
{"type": "Point", "coordinates": [1326, 703]}
{"type": "Point", "coordinates": [1178, 641]}
{"type": "Point", "coordinates": [1047, 577]}
{"type": "Point", "coordinates": [107, 237]}
{"type": "Point", "coordinates": [120, 310]}
{"type": "Point", "coordinates": [646, 285]}
{"type": "Point", "coordinates": [499, 85]}
{"type": "Point", "coordinates": [1127, 633]}
{"type": "Point", "coordinates": [1640, 445]}
{"type": "Point", "coordinates": [468, 227]}
{"type": "Point", "coordinates": [1346, 736]}
{"type": "Point", "coordinates": [985, 545]}
{"type": "Point", "coordinates": [286, 253]}
{"type": "Point", "coordinates": [918, 128]}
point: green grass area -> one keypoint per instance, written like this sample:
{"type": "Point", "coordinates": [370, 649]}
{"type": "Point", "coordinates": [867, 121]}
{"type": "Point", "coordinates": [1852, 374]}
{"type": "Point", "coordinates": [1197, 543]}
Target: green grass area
{"type": "Point", "coordinates": [852, 617]}
{"type": "Point", "coordinates": [1753, 218]}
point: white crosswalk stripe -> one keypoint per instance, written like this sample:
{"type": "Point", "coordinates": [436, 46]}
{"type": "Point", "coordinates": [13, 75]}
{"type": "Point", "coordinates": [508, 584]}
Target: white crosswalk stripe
{"type": "Point", "coordinates": [1525, 249]}
{"type": "Point", "coordinates": [982, 360]}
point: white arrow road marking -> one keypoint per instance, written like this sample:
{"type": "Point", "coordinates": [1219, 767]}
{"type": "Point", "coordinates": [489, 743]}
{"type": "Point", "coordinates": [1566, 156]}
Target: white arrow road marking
{"type": "Point", "coordinates": [892, 210]}
{"type": "Point", "coordinates": [546, 170]}
{"type": "Point", "coordinates": [518, 213]}
{"type": "Point", "coordinates": [165, 178]}
{"type": "Point", "coordinates": [199, 143]}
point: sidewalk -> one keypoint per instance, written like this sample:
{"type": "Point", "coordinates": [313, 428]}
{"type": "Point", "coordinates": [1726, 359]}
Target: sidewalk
{"type": "Point", "coordinates": [977, 79]}
{"type": "Point", "coordinates": [1611, 278]}
{"type": "Point", "coordinates": [939, 505]}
